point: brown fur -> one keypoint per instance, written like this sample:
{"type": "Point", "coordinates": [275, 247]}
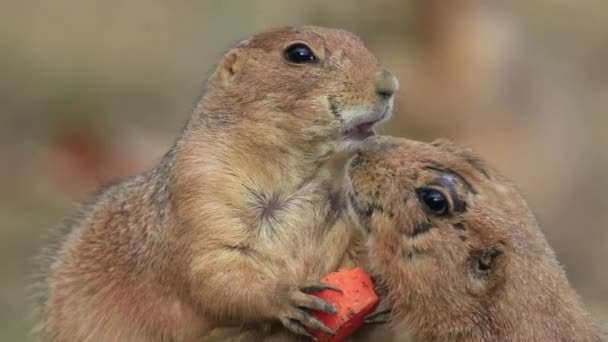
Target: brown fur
{"type": "Point", "coordinates": [245, 206]}
{"type": "Point", "coordinates": [483, 272]}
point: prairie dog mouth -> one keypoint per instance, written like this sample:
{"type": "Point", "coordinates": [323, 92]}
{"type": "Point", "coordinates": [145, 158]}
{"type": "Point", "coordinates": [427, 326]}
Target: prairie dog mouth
{"type": "Point", "coordinates": [361, 123]}
{"type": "Point", "coordinates": [366, 126]}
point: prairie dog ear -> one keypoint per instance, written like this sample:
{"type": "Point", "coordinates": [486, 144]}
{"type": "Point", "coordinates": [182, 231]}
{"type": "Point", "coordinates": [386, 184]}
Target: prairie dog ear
{"type": "Point", "coordinates": [231, 65]}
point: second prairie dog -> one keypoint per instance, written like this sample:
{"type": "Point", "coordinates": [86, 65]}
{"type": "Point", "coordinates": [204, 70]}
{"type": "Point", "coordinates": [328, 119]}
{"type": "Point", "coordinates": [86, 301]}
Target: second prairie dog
{"type": "Point", "coordinates": [458, 249]}
{"type": "Point", "coordinates": [241, 216]}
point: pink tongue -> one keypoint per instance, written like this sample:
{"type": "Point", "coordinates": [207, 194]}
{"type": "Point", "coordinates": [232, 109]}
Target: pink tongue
{"type": "Point", "coordinates": [365, 127]}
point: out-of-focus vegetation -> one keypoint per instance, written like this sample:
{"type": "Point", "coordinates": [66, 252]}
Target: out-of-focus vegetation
{"type": "Point", "coordinates": [91, 91]}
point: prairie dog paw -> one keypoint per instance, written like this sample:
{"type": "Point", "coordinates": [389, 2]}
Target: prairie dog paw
{"type": "Point", "coordinates": [294, 313]}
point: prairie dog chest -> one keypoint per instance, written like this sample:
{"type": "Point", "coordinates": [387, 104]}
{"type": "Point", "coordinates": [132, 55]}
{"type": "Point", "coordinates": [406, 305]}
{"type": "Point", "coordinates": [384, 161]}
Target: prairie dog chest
{"type": "Point", "coordinates": [304, 213]}
{"type": "Point", "coordinates": [304, 229]}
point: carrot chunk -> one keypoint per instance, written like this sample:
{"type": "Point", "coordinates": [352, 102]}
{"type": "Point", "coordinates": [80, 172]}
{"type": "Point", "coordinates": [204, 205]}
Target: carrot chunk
{"type": "Point", "coordinates": [357, 301]}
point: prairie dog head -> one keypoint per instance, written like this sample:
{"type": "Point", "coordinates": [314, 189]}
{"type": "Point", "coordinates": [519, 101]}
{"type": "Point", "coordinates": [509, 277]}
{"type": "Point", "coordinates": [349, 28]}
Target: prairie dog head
{"type": "Point", "coordinates": [453, 241]}
{"type": "Point", "coordinates": [313, 81]}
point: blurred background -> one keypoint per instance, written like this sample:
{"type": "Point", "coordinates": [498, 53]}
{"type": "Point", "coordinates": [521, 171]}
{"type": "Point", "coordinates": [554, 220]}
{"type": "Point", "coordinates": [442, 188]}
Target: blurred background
{"type": "Point", "coordinates": [92, 90]}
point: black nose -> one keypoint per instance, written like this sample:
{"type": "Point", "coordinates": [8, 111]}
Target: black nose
{"type": "Point", "coordinates": [384, 93]}
{"type": "Point", "coordinates": [386, 83]}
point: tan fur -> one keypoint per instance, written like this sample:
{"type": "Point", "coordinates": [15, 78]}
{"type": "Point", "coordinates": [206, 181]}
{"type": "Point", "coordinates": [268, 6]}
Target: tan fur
{"type": "Point", "coordinates": [245, 206]}
{"type": "Point", "coordinates": [483, 272]}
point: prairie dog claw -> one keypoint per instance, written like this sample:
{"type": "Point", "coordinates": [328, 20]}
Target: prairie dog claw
{"type": "Point", "coordinates": [316, 286]}
{"type": "Point", "coordinates": [295, 316]}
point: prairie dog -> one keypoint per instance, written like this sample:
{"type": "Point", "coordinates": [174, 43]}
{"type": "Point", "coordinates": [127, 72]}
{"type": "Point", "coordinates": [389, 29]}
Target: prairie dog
{"type": "Point", "coordinates": [242, 215]}
{"type": "Point", "coordinates": [457, 248]}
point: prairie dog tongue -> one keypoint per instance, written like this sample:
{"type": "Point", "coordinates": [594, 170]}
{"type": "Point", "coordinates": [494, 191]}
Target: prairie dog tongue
{"type": "Point", "coordinates": [365, 127]}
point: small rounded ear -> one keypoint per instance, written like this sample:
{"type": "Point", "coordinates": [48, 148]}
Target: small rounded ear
{"type": "Point", "coordinates": [231, 65]}
{"type": "Point", "coordinates": [483, 262]}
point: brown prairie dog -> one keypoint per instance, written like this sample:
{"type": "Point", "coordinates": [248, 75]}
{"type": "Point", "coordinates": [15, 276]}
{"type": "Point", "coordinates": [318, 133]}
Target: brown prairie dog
{"type": "Point", "coordinates": [241, 216]}
{"type": "Point", "coordinates": [468, 71]}
{"type": "Point", "coordinates": [458, 249]}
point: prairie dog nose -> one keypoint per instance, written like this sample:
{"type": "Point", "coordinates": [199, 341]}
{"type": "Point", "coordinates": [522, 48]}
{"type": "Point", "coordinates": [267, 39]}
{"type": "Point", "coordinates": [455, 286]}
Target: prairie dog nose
{"type": "Point", "coordinates": [386, 83]}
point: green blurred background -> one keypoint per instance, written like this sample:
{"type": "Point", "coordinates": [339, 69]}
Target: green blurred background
{"type": "Point", "coordinates": [92, 90]}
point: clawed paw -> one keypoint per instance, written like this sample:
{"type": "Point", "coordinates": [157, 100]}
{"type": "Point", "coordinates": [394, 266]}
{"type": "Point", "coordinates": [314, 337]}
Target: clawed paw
{"type": "Point", "coordinates": [379, 316]}
{"type": "Point", "coordinates": [382, 313]}
{"type": "Point", "coordinates": [295, 316]}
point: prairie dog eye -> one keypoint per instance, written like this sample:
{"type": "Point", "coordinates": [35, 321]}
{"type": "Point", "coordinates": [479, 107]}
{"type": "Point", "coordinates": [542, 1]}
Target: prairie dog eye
{"type": "Point", "coordinates": [434, 201]}
{"type": "Point", "coordinates": [299, 53]}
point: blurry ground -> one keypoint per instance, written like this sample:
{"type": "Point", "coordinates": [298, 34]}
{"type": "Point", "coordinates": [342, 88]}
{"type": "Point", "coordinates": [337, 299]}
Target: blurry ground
{"type": "Point", "coordinates": [91, 91]}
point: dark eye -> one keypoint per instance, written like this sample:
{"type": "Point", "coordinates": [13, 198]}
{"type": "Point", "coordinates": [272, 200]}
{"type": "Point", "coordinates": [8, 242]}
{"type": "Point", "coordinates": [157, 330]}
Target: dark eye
{"type": "Point", "coordinates": [434, 200]}
{"type": "Point", "coordinates": [299, 53]}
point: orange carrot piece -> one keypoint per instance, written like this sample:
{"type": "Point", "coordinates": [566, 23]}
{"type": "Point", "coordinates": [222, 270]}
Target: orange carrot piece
{"type": "Point", "coordinates": [357, 301]}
